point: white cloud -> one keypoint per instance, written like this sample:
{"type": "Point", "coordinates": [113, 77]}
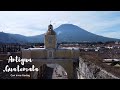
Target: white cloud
{"type": "Point", "coordinates": [31, 23]}
{"type": "Point", "coordinates": [112, 34]}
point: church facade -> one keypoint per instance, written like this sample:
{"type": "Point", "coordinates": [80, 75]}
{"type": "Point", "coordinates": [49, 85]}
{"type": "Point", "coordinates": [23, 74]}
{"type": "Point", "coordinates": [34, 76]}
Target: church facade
{"type": "Point", "coordinates": [52, 54]}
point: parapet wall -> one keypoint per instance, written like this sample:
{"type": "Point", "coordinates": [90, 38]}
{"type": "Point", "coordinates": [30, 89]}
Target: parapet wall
{"type": "Point", "coordinates": [88, 70]}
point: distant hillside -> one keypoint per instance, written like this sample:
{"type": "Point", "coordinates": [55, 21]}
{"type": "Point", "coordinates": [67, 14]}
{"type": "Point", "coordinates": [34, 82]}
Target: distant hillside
{"type": "Point", "coordinates": [11, 38]}
{"type": "Point", "coordinates": [65, 33]}
{"type": "Point", "coordinates": [73, 33]}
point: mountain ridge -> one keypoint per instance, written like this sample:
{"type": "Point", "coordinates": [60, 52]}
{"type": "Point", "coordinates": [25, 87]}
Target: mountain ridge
{"type": "Point", "coordinates": [65, 33]}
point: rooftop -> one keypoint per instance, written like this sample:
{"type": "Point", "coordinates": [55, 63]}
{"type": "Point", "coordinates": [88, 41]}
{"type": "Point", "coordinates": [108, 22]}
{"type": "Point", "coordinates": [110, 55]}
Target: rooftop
{"type": "Point", "coordinates": [35, 48]}
{"type": "Point", "coordinates": [97, 58]}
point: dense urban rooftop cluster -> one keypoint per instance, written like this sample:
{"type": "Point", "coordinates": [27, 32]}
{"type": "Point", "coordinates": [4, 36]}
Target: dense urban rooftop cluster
{"type": "Point", "coordinates": [93, 52]}
{"type": "Point", "coordinates": [98, 53]}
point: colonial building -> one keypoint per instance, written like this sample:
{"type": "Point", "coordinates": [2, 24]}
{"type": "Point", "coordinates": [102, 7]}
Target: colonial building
{"type": "Point", "coordinates": [52, 54]}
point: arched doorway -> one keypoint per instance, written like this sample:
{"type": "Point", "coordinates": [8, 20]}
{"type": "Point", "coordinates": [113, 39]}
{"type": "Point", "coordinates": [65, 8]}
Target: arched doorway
{"type": "Point", "coordinates": [52, 71]}
{"type": "Point", "coordinates": [67, 65]}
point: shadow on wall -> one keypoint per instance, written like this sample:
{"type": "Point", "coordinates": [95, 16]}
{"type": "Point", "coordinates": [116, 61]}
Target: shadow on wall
{"type": "Point", "coordinates": [50, 71]}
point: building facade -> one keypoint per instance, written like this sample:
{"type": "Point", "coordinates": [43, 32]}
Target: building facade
{"type": "Point", "coordinates": [52, 54]}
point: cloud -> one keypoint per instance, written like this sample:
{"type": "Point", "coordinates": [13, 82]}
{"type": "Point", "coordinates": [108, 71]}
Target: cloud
{"type": "Point", "coordinates": [32, 23]}
{"type": "Point", "coordinates": [112, 34]}
{"type": "Point", "coordinates": [103, 22]}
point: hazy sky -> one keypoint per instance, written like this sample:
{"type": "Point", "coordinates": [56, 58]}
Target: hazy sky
{"type": "Point", "coordinates": [30, 23]}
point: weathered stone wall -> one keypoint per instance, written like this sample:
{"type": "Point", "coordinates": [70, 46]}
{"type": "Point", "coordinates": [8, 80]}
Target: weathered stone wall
{"type": "Point", "coordinates": [88, 70]}
{"type": "Point", "coordinates": [26, 53]}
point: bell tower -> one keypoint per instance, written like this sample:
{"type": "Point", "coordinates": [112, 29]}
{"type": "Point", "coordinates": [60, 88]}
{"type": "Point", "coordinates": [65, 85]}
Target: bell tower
{"type": "Point", "coordinates": [50, 41]}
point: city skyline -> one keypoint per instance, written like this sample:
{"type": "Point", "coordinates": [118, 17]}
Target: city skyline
{"type": "Point", "coordinates": [30, 23]}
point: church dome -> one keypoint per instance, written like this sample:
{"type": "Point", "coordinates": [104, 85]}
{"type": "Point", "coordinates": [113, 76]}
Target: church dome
{"type": "Point", "coordinates": [50, 30]}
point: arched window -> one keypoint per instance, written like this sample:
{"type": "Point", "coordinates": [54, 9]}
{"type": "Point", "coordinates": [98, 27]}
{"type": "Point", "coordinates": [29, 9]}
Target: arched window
{"type": "Point", "coordinates": [50, 54]}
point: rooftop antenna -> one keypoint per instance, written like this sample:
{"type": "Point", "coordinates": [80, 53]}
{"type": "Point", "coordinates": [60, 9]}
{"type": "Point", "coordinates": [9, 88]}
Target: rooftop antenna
{"type": "Point", "coordinates": [53, 23]}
